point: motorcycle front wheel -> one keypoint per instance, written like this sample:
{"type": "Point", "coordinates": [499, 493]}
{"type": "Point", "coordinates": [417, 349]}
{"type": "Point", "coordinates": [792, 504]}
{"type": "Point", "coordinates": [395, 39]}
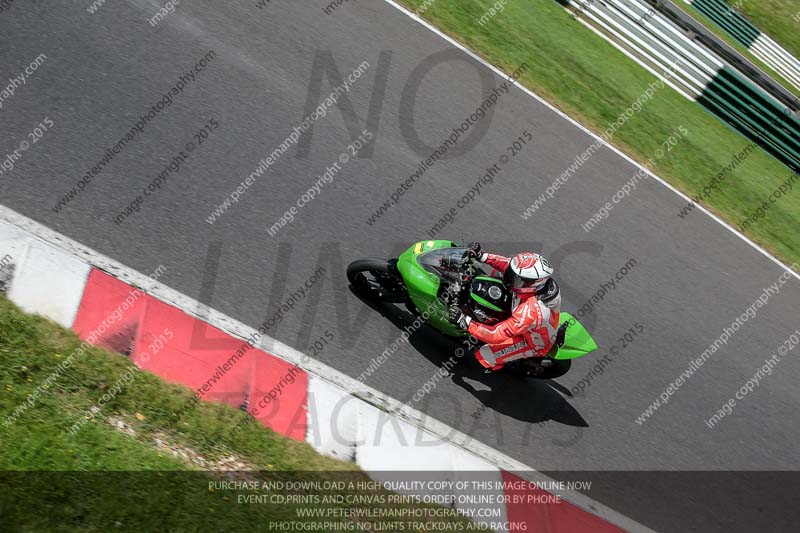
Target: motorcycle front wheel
{"type": "Point", "coordinates": [378, 280]}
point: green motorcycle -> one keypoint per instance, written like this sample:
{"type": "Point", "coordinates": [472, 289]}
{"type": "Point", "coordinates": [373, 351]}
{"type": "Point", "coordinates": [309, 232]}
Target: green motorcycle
{"type": "Point", "coordinates": [431, 275]}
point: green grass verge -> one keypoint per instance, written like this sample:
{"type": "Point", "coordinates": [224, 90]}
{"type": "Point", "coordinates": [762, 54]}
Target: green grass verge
{"type": "Point", "coordinates": [592, 81]}
{"type": "Point", "coordinates": [780, 19]}
{"type": "Point", "coordinates": [102, 478]}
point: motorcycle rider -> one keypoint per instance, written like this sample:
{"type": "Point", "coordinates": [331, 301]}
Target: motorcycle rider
{"type": "Point", "coordinates": [532, 328]}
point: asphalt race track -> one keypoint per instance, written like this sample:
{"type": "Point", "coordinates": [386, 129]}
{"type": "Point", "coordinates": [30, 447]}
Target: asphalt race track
{"type": "Point", "coordinates": [690, 277]}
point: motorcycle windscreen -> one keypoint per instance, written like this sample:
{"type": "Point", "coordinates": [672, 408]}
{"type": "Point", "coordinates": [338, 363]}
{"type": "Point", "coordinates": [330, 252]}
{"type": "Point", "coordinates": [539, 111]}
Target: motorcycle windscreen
{"type": "Point", "coordinates": [577, 342]}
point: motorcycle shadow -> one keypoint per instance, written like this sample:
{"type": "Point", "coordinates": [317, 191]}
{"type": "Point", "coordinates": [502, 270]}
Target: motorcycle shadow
{"type": "Point", "coordinates": [525, 399]}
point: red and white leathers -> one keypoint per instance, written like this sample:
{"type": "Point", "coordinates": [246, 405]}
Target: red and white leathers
{"type": "Point", "coordinates": [530, 331]}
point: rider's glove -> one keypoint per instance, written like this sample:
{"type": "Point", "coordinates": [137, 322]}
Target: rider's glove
{"type": "Point", "coordinates": [458, 318]}
{"type": "Point", "coordinates": [474, 250]}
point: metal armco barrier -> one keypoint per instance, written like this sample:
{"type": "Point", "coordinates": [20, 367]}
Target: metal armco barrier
{"type": "Point", "coordinates": [653, 41]}
{"type": "Point", "coordinates": [744, 107]}
{"type": "Point", "coordinates": [748, 35]}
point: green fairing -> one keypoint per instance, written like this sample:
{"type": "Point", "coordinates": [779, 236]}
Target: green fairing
{"type": "Point", "coordinates": [423, 288]}
{"type": "Point", "coordinates": [577, 342]}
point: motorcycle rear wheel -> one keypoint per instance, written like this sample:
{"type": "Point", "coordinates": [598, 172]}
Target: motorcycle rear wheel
{"type": "Point", "coordinates": [378, 280]}
{"type": "Point", "coordinates": [529, 368]}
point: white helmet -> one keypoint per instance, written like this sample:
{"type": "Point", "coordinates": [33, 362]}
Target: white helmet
{"type": "Point", "coordinates": [527, 272]}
